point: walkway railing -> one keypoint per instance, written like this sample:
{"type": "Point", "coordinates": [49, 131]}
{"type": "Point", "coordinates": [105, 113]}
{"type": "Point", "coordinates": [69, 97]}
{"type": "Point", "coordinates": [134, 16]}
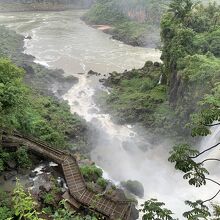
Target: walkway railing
{"type": "Point", "coordinates": [112, 209]}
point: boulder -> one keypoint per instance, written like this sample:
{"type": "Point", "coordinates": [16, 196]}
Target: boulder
{"type": "Point", "coordinates": [157, 64]}
{"type": "Point", "coordinates": [47, 169]}
{"type": "Point", "coordinates": [10, 175]}
{"type": "Point", "coordinates": [28, 68]}
{"type": "Point", "coordinates": [134, 186]}
{"type": "Point", "coordinates": [32, 174]}
{"type": "Point", "coordinates": [46, 187]}
{"type": "Point", "coordinates": [23, 171]}
{"type": "Point", "coordinates": [134, 213]}
{"type": "Point", "coordinates": [28, 37]}
{"type": "Point", "coordinates": [93, 73]}
{"type": "Point", "coordinates": [148, 64]}
{"type": "Point", "coordinates": [29, 184]}
{"type": "Point", "coordinates": [102, 80]}
{"type": "Point", "coordinates": [61, 182]}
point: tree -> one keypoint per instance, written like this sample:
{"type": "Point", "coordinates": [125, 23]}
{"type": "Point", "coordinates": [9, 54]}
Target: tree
{"type": "Point", "coordinates": [180, 8]}
{"type": "Point", "coordinates": [12, 93]}
{"type": "Point", "coordinates": [153, 209]}
{"type": "Point", "coordinates": [191, 39]}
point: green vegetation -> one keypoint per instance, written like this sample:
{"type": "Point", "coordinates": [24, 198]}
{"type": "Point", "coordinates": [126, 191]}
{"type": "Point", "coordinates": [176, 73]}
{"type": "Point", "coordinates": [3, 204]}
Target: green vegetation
{"type": "Point", "coordinates": [53, 122]}
{"type": "Point", "coordinates": [63, 214]}
{"type": "Point", "coordinates": [192, 62]}
{"type": "Point", "coordinates": [24, 205]}
{"type": "Point", "coordinates": [28, 112]}
{"type": "Point", "coordinates": [19, 157]}
{"type": "Point", "coordinates": [153, 209]}
{"type": "Point", "coordinates": [51, 200]}
{"type": "Point", "coordinates": [32, 111]}
{"type": "Point", "coordinates": [188, 76]}
{"type": "Point", "coordinates": [133, 22]}
{"type": "Point", "coordinates": [137, 97]}
{"type": "Point", "coordinates": [22, 158]}
{"type": "Point", "coordinates": [28, 106]}
{"type": "Point", "coordinates": [93, 174]}
{"type": "Point", "coordinates": [134, 92]}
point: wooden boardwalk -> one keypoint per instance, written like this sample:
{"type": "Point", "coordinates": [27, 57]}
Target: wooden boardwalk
{"type": "Point", "coordinates": [78, 190]}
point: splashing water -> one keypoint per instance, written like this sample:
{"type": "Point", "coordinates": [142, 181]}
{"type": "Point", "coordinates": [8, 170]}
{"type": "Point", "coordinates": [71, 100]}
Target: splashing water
{"type": "Point", "coordinates": [208, 142]}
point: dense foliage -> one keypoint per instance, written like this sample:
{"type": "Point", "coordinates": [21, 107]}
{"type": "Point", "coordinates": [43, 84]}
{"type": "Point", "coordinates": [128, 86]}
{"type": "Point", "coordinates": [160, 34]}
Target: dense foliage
{"type": "Point", "coordinates": [93, 174]}
{"type": "Point", "coordinates": [36, 111]}
{"type": "Point", "coordinates": [153, 209]}
{"type": "Point", "coordinates": [26, 107]}
{"type": "Point", "coordinates": [134, 22]}
{"type": "Point", "coordinates": [28, 112]}
{"type": "Point", "coordinates": [165, 99]}
{"type": "Point", "coordinates": [190, 38]}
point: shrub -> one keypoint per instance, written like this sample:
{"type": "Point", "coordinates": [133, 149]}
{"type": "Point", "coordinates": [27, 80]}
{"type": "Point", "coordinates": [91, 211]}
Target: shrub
{"type": "Point", "coordinates": [23, 158]}
{"type": "Point", "coordinates": [47, 210]}
{"type": "Point", "coordinates": [91, 173]}
{"type": "Point", "coordinates": [24, 204]}
{"type": "Point", "coordinates": [102, 182]}
{"type": "Point", "coordinates": [5, 213]}
{"type": "Point", "coordinates": [48, 198]}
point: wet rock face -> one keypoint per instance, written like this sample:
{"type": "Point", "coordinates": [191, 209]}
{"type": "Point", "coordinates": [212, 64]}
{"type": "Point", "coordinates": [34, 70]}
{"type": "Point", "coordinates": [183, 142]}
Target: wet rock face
{"type": "Point", "coordinates": [134, 213]}
{"type": "Point", "coordinates": [49, 82]}
{"type": "Point", "coordinates": [93, 73]}
{"type": "Point", "coordinates": [134, 187]}
{"type": "Point", "coordinates": [32, 174]}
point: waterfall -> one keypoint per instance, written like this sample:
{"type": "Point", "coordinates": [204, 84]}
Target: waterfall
{"type": "Point", "coordinates": [210, 141]}
{"type": "Point", "coordinates": [118, 148]}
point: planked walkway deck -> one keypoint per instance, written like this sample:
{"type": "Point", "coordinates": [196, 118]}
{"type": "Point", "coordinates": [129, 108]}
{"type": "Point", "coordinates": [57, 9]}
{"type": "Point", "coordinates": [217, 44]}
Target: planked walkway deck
{"type": "Point", "coordinates": [112, 209]}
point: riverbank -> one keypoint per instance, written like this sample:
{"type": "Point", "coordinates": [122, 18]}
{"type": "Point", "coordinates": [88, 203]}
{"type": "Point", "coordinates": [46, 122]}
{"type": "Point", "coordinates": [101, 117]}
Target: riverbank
{"type": "Point", "coordinates": [169, 99]}
{"type": "Point", "coordinates": [53, 118]}
{"type": "Point", "coordinates": [129, 32]}
{"type": "Point", "coordinates": [139, 97]}
{"type": "Point", "coordinates": [48, 87]}
{"type": "Point", "coordinates": [129, 24]}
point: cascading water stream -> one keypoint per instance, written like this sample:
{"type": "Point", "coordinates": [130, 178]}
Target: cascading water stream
{"type": "Point", "coordinates": [208, 142]}
{"type": "Point", "coordinates": [77, 48]}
